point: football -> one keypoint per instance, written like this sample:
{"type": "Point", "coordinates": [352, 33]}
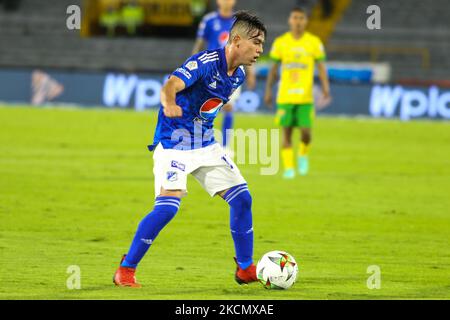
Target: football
{"type": "Point", "coordinates": [277, 270]}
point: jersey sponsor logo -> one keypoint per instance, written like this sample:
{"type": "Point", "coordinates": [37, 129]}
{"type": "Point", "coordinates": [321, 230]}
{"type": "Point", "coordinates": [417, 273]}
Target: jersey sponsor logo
{"type": "Point", "coordinates": [172, 176]}
{"type": "Point", "coordinates": [192, 65]}
{"type": "Point", "coordinates": [294, 65]}
{"type": "Point", "coordinates": [184, 72]}
{"type": "Point", "coordinates": [178, 165]}
{"type": "Point", "coordinates": [210, 108]}
{"type": "Point", "coordinates": [208, 57]}
{"type": "Point", "coordinates": [296, 91]}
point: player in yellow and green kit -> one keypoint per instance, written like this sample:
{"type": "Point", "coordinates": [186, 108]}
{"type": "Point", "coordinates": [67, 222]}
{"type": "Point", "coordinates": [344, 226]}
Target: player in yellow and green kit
{"type": "Point", "coordinates": [297, 51]}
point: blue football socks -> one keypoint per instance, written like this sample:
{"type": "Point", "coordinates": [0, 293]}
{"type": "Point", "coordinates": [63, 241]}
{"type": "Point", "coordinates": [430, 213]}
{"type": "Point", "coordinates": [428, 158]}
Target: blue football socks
{"type": "Point", "coordinates": [164, 210]}
{"type": "Point", "coordinates": [240, 202]}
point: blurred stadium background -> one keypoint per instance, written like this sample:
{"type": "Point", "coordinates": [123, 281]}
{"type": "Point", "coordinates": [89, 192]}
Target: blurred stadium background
{"type": "Point", "coordinates": [122, 40]}
{"type": "Point", "coordinates": [377, 192]}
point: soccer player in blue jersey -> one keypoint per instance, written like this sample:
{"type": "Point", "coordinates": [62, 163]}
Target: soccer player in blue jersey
{"type": "Point", "coordinates": [184, 144]}
{"type": "Point", "coordinates": [213, 33]}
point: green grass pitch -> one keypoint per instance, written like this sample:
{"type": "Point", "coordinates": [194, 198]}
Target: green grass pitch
{"type": "Point", "coordinates": [74, 184]}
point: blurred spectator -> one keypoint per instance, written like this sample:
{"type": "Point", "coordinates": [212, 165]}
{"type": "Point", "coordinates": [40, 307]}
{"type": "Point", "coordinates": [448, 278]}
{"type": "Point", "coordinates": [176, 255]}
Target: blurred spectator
{"type": "Point", "coordinates": [198, 7]}
{"type": "Point", "coordinates": [306, 4]}
{"type": "Point", "coordinates": [132, 16]}
{"type": "Point", "coordinates": [110, 19]}
{"type": "Point", "coordinates": [327, 8]}
{"type": "Point", "coordinates": [10, 5]}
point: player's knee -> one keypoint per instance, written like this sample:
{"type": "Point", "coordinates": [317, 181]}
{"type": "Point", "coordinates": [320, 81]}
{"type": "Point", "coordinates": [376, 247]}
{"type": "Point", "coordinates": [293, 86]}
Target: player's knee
{"type": "Point", "coordinates": [245, 200]}
{"type": "Point", "coordinates": [287, 144]}
{"type": "Point", "coordinates": [306, 137]}
{"type": "Point", "coordinates": [240, 211]}
{"type": "Point", "coordinates": [166, 207]}
{"type": "Point", "coordinates": [240, 198]}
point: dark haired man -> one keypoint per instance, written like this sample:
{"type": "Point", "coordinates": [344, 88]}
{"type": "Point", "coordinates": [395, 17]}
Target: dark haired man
{"type": "Point", "coordinates": [184, 144]}
{"type": "Point", "coordinates": [297, 52]}
{"type": "Point", "coordinates": [213, 33]}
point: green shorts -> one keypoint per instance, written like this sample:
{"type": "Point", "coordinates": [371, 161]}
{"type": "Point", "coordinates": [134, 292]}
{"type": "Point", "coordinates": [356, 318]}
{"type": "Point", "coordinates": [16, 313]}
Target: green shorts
{"type": "Point", "coordinates": [295, 115]}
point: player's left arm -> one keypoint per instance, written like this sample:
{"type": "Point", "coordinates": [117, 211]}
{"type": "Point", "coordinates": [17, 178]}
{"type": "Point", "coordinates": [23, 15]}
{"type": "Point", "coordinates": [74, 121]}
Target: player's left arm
{"type": "Point", "coordinates": [320, 57]}
{"type": "Point", "coordinates": [250, 77]}
{"type": "Point", "coordinates": [276, 55]}
{"type": "Point", "coordinates": [324, 81]}
{"type": "Point", "coordinates": [183, 77]}
{"type": "Point", "coordinates": [272, 77]}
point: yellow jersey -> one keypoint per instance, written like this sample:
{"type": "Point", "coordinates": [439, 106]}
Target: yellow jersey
{"type": "Point", "coordinates": [297, 58]}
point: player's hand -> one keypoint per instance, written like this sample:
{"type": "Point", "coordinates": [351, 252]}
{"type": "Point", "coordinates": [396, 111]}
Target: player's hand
{"type": "Point", "coordinates": [268, 99]}
{"type": "Point", "coordinates": [326, 94]}
{"type": "Point", "coordinates": [323, 100]}
{"type": "Point", "coordinates": [173, 111]}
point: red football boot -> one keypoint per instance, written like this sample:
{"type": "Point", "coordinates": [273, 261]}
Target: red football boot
{"type": "Point", "coordinates": [125, 277]}
{"type": "Point", "coordinates": [244, 276]}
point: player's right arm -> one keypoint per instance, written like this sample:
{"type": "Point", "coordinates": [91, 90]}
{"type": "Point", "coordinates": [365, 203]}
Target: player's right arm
{"type": "Point", "coordinates": [183, 77]}
{"type": "Point", "coordinates": [168, 97]}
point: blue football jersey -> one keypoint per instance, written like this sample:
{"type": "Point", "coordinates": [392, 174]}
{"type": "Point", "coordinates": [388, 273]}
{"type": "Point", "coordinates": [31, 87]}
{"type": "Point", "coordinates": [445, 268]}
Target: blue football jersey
{"type": "Point", "coordinates": [215, 30]}
{"type": "Point", "coordinates": [208, 88]}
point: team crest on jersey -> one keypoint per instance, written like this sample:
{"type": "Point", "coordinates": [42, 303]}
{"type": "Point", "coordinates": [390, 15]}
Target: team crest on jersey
{"type": "Point", "coordinates": [172, 176]}
{"type": "Point", "coordinates": [210, 108]}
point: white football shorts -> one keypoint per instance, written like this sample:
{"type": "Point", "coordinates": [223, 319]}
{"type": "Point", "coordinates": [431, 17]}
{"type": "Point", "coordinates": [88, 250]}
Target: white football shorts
{"type": "Point", "coordinates": [211, 166]}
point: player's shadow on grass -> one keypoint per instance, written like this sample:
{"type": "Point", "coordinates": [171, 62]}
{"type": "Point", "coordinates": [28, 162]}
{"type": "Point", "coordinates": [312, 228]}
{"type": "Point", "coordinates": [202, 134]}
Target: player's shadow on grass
{"type": "Point", "coordinates": [115, 178]}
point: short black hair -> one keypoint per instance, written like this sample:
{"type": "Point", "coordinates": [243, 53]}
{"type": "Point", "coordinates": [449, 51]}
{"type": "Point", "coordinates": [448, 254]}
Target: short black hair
{"type": "Point", "coordinates": [250, 22]}
{"type": "Point", "coordinates": [299, 9]}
